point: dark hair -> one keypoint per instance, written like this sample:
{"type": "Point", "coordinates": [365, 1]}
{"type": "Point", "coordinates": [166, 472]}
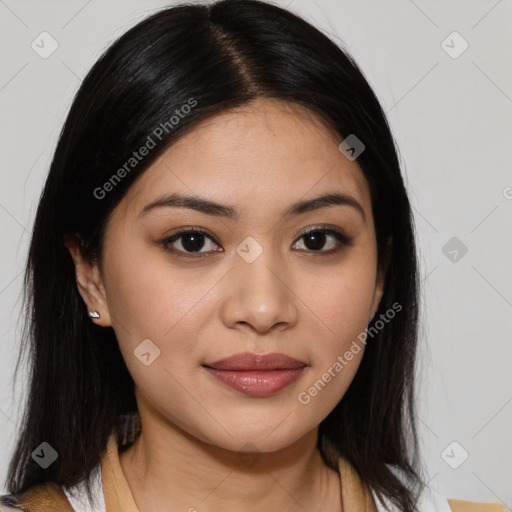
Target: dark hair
{"type": "Point", "coordinates": [211, 58]}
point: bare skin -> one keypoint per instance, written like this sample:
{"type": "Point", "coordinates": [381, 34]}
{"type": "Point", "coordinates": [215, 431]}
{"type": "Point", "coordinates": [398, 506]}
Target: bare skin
{"type": "Point", "coordinates": [292, 299]}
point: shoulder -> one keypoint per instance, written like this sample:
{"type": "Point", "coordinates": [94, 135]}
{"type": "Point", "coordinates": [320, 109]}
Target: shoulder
{"type": "Point", "coordinates": [8, 503]}
{"type": "Point", "coordinates": [473, 506]}
{"type": "Point", "coordinates": [52, 497]}
{"type": "Point", "coordinates": [431, 501]}
{"type": "Point", "coordinates": [44, 497]}
{"type": "Point", "coordinates": [434, 501]}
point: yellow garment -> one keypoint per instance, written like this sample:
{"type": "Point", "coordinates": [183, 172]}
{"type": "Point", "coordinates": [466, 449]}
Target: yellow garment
{"type": "Point", "coordinates": [472, 506]}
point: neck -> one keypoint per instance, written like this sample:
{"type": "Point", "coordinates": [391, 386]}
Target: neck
{"type": "Point", "coordinates": [167, 465]}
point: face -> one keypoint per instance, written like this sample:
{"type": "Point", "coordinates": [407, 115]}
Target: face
{"type": "Point", "coordinates": [184, 287]}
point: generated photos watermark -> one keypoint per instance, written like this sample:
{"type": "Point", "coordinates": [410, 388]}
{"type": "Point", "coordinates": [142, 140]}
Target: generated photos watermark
{"type": "Point", "coordinates": [304, 397]}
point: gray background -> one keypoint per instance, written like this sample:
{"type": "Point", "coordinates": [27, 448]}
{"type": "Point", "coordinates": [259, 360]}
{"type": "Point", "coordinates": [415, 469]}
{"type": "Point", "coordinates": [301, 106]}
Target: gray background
{"type": "Point", "coordinates": [452, 121]}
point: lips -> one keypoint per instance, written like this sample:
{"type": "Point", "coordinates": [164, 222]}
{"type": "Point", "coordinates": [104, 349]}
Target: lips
{"type": "Point", "coordinates": [248, 361]}
{"type": "Point", "coordinates": [256, 375]}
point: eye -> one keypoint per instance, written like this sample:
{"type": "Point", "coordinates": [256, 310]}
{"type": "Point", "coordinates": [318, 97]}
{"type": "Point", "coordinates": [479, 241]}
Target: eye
{"type": "Point", "coordinates": [189, 241]}
{"type": "Point", "coordinates": [316, 238]}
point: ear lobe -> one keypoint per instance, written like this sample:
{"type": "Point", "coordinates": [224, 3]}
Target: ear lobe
{"type": "Point", "coordinates": [88, 280]}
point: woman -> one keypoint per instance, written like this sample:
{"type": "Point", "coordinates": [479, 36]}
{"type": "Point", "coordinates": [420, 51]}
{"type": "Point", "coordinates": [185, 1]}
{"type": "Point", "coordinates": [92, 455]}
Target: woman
{"type": "Point", "coordinates": [222, 282]}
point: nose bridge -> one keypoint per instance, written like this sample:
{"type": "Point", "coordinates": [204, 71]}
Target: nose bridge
{"type": "Point", "coordinates": [258, 292]}
{"type": "Point", "coordinates": [259, 277]}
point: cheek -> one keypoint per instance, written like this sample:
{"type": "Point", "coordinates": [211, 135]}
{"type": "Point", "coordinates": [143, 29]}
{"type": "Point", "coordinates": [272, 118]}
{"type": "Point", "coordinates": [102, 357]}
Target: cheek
{"type": "Point", "coordinates": [342, 303]}
{"type": "Point", "coordinates": [147, 300]}
{"type": "Point", "coordinates": [151, 300]}
{"type": "Point", "coordinates": [343, 299]}
{"type": "Point", "coordinates": [343, 306]}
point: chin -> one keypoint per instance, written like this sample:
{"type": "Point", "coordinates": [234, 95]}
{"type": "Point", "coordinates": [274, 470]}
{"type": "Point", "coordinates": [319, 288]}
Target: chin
{"type": "Point", "coordinates": [265, 437]}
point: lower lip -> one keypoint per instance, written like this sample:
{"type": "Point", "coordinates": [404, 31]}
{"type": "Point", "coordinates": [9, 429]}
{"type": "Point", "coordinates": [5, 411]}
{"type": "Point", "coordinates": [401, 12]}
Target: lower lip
{"type": "Point", "coordinates": [256, 383]}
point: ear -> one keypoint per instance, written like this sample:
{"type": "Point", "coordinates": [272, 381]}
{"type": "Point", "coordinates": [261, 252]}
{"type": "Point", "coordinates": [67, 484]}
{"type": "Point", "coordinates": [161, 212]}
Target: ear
{"type": "Point", "coordinates": [89, 281]}
{"type": "Point", "coordinates": [381, 277]}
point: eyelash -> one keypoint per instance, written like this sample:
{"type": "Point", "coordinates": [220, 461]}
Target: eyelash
{"type": "Point", "coordinates": [342, 239]}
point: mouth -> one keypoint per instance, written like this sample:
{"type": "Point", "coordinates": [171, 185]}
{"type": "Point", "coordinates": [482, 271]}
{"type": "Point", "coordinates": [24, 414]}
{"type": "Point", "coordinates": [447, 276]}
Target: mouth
{"type": "Point", "coordinates": [256, 375]}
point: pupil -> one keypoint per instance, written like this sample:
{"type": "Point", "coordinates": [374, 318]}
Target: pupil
{"type": "Point", "coordinates": [193, 242]}
{"type": "Point", "coordinates": [315, 236]}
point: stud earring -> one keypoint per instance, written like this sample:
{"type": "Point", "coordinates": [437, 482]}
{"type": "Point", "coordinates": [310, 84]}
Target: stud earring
{"type": "Point", "coordinates": [94, 314]}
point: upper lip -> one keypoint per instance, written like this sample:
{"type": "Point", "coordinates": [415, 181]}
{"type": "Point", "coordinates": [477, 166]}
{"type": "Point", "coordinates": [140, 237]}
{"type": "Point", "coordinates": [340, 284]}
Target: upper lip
{"type": "Point", "coordinates": [248, 361]}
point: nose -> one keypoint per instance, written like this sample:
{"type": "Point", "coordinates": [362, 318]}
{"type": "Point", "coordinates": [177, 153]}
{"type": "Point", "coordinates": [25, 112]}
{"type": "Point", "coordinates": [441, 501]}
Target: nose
{"type": "Point", "coordinates": [259, 295]}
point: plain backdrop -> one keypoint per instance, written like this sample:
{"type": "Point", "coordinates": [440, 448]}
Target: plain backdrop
{"type": "Point", "coordinates": [450, 110]}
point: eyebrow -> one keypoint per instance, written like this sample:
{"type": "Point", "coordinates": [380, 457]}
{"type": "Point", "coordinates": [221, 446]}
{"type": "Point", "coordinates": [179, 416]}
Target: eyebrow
{"type": "Point", "coordinates": [208, 207]}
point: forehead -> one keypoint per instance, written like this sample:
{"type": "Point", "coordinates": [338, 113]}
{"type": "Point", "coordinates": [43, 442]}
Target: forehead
{"type": "Point", "coordinates": [258, 158]}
